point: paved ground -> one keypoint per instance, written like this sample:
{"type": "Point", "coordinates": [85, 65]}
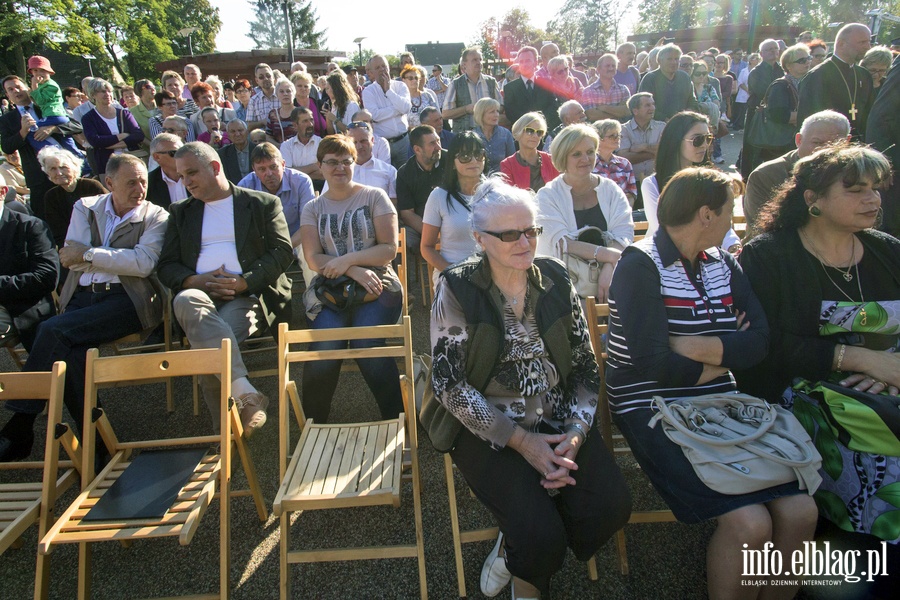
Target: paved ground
{"type": "Point", "coordinates": [667, 560]}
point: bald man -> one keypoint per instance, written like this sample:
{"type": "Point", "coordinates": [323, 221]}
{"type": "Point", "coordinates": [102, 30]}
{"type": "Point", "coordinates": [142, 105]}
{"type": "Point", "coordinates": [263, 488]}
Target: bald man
{"type": "Point", "coordinates": [839, 83]}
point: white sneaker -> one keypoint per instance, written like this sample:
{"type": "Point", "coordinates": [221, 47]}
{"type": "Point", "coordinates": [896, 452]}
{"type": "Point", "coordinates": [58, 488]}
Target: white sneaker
{"type": "Point", "coordinates": [494, 575]}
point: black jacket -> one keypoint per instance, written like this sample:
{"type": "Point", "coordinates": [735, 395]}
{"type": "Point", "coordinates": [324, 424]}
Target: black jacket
{"type": "Point", "coordinates": [157, 190]}
{"type": "Point", "coordinates": [517, 101]}
{"type": "Point", "coordinates": [228, 154]}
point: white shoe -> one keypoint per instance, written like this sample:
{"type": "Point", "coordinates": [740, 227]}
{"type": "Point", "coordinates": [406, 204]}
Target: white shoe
{"type": "Point", "coordinates": [494, 575]}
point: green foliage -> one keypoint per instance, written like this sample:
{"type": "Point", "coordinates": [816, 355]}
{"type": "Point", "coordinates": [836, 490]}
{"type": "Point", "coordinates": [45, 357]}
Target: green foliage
{"type": "Point", "coordinates": [517, 31]}
{"type": "Point", "coordinates": [26, 25]}
{"type": "Point", "coordinates": [268, 30]}
{"type": "Point", "coordinates": [588, 26]}
{"type": "Point", "coordinates": [357, 60]}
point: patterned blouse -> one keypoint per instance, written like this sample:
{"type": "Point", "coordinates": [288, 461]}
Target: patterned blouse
{"type": "Point", "coordinates": [525, 389]}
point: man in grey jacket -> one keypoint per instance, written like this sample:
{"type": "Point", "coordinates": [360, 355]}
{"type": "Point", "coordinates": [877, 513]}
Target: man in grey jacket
{"type": "Point", "coordinates": [111, 250]}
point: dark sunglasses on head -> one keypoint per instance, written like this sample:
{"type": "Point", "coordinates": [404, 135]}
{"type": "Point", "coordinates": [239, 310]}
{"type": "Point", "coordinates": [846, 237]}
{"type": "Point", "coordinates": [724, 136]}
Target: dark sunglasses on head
{"type": "Point", "coordinates": [513, 235]}
{"type": "Point", "coordinates": [467, 158]}
{"type": "Point", "coordinates": [699, 140]}
{"type": "Point", "coordinates": [358, 125]}
{"type": "Point", "coordinates": [533, 131]}
{"type": "Point", "coordinates": [803, 60]}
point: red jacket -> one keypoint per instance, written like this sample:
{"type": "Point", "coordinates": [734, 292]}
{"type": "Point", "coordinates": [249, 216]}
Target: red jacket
{"type": "Point", "coordinates": [520, 176]}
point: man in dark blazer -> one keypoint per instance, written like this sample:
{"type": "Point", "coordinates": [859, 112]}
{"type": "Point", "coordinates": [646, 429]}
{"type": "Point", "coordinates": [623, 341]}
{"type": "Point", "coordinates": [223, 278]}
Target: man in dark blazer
{"type": "Point", "coordinates": [164, 185]}
{"type": "Point", "coordinates": [236, 155]}
{"type": "Point", "coordinates": [525, 94]}
{"type": "Point", "coordinates": [28, 274]}
{"type": "Point", "coordinates": [224, 256]}
{"type": "Point", "coordinates": [14, 127]}
{"type": "Point", "coordinates": [883, 132]}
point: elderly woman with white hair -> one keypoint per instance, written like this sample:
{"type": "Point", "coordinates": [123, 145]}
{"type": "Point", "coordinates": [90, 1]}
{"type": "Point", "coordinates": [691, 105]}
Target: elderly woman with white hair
{"type": "Point", "coordinates": [64, 169]}
{"type": "Point", "coordinates": [521, 422]}
{"type": "Point", "coordinates": [498, 141]}
{"type": "Point", "coordinates": [585, 216]}
{"type": "Point", "coordinates": [529, 168]}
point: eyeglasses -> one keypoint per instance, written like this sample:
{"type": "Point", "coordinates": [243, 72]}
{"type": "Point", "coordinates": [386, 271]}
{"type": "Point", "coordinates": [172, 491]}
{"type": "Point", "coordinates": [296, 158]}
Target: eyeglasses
{"type": "Point", "coordinates": [172, 103]}
{"type": "Point", "coordinates": [467, 158]}
{"type": "Point", "coordinates": [614, 136]}
{"type": "Point", "coordinates": [170, 130]}
{"type": "Point", "coordinates": [699, 140]}
{"type": "Point", "coordinates": [701, 73]}
{"type": "Point", "coordinates": [533, 131]}
{"type": "Point", "coordinates": [513, 235]}
{"type": "Point", "coordinates": [170, 153]}
{"type": "Point", "coordinates": [803, 60]}
{"type": "Point", "coordinates": [358, 125]}
{"type": "Point", "coordinates": [413, 78]}
{"type": "Point", "coordinates": [332, 162]}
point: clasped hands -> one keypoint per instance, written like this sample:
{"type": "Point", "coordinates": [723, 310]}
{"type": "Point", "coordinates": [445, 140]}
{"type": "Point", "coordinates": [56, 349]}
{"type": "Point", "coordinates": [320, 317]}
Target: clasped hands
{"type": "Point", "coordinates": [341, 265]}
{"type": "Point", "coordinates": [551, 455]}
{"type": "Point", "coordinates": [219, 284]}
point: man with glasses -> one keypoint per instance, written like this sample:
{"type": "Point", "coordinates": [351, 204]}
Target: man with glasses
{"type": "Point", "coordinates": [438, 83]}
{"type": "Point", "coordinates": [265, 101]}
{"type": "Point", "coordinates": [224, 257]}
{"type": "Point", "coordinates": [417, 178]}
{"type": "Point", "coordinates": [606, 98]}
{"type": "Point", "coordinates": [168, 108]}
{"type": "Point", "coordinates": [164, 184]}
{"type": "Point", "coordinates": [381, 149]}
{"type": "Point", "coordinates": [672, 89]}
{"type": "Point", "coordinates": [369, 170]}
{"type": "Point", "coordinates": [299, 152]}
{"type": "Point", "coordinates": [640, 136]}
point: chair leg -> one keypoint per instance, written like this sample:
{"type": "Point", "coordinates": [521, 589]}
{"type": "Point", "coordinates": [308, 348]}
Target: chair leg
{"type": "Point", "coordinates": [42, 576]}
{"type": "Point", "coordinates": [622, 551]}
{"type": "Point", "coordinates": [592, 569]}
{"type": "Point", "coordinates": [420, 534]}
{"type": "Point", "coordinates": [284, 545]}
{"type": "Point", "coordinates": [249, 468]}
{"type": "Point", "coordinates": [454, 525]}
{"type": "Point", "coordinates": [195, 386]}
{"type": "Point", "coordinates": [84, 571]}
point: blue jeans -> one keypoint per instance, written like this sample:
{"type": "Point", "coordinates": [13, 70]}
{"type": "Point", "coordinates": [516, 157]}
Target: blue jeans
{"type": "Point", "coordinates": [89, 321]}
{"type": "Point", "coordinates": [66, 142]}
{"type": "Point", "coordinates": [381, 374]}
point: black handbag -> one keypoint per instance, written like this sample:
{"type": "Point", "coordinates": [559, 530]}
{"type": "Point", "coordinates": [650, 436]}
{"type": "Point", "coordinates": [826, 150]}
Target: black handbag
{"type": "Point", "coordinates": [766, 133]}
{"type": "Point", "coordinates": [341, 293]}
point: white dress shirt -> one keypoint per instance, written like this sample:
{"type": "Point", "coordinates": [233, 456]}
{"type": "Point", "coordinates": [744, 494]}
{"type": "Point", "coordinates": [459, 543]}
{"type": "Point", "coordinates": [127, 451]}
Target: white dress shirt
{"type": "Point", "coordinates": [389, 109]}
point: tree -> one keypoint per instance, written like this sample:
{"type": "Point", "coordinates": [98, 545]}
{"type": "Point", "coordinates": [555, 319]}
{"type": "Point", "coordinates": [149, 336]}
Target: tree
{"type": "Point", "coordinates": [27, 25]}
{"type": "Point", "coordinates": [587, 25]}
{"type": "Point", "coordinates": [268, 30]}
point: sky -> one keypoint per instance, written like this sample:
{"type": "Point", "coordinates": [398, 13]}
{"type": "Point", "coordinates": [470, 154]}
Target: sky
{"type": "Point", "coordinates": [384, 31]}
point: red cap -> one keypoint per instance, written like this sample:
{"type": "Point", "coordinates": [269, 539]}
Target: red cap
{"type": "Point", "coordinates": [39, 62]}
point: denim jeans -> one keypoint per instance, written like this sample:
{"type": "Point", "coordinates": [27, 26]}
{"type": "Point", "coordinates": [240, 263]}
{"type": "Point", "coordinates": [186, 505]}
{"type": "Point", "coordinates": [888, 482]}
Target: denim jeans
{"type": "Point", "coordinates": [381, 374]}
{"type": "Point", "coordinates": [89, 321]}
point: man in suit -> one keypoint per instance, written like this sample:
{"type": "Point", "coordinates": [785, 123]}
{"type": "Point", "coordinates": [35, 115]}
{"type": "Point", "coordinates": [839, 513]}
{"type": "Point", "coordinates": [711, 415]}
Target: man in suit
{"type": "Point", "coordinates": [28, 274]}
{"type": "Point", "coordinates": [164, 185]}
{"type": "Point", "coordinates": [236, 155]}
{"type": "Point", "coordinates": [224, 257]}
{"type": "Point", "coordinates": [883, 132]}
{"type": "Point", "coordinates": [525, 95]}
{"type": "Point", "coordinates": [15, 125]}
{"type": "Point", "coordinates": [112, 247]}
{"type": "Point", "coordinates": [839, 83]}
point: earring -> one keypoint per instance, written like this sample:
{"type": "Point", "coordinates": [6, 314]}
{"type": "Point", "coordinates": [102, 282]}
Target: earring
{"type": "Point", "coordinates": [815, 211]}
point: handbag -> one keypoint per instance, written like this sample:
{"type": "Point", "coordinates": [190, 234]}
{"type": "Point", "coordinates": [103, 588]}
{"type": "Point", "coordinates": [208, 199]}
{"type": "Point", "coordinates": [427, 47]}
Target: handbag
{"type": "Point", "coordinates": [739, 444]}
{"type": "Point", "coordinates": [584, 273]}
{"type": "Point", "coordinates": [341, 293]}
{"type": "Point", "coordinates": [766, 133]}
{"type": "Point", "coordinates": [860, 421]}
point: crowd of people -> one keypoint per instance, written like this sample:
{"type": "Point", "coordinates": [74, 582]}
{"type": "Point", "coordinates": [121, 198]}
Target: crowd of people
{"type": "Point", "coordinates": [522, 192]}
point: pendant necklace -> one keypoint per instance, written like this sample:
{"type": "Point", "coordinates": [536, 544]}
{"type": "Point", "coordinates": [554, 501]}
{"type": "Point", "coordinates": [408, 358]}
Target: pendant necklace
{"type": "Point", "coordinates": [846, 274]}
{"type": "Point", "coordinates": [850, 96]}
{"type": "Point", "coordinates": [848, 277]}
{"type": "Point", "coordinates": [514, 300]}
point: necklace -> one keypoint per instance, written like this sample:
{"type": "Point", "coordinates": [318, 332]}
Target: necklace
{"type": "Point", "coordinates": [416, 102]}
{"type": "Point", "coordinates": [846, 274]}
{"type": "Point", "coordinates": [850, 96]}
{"type": "Point", "coordinates": [848, 277]}
{"type": "Point", "coordinates": [514, 299]}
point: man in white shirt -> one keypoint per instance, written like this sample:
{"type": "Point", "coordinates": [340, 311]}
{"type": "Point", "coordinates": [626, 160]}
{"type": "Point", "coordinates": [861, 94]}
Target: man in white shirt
{"type": "Point", "coordinates": [380, 147]}
{"type": "Point", "coordinates": [388, 102]}
{"type": "Point", "coordinates": [299, 152]}
{"type": "Point", "coordinates": [224, 257]}
{"type": "Point", "coordinates": [369, 170]}
{"type": "Point", "coordinates": [164, 184]}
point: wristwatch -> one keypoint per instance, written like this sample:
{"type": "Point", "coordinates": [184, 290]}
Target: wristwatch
{"type": "Point", "coordinates": [88, 255]}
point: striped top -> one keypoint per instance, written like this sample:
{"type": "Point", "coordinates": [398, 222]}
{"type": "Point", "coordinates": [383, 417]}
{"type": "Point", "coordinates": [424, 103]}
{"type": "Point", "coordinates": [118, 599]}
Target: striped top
{"type": "Point", "coordinates": [655, 294]}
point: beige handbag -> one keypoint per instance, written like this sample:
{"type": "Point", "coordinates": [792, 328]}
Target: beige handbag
{"type": "Point", "coordinates": [739, 444]}
{"type": "Point", "coordinates": [584, 273]}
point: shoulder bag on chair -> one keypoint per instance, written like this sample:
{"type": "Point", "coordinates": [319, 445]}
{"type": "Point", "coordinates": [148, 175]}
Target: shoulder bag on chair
{"type": "Point", "coordinates": [766, 133]}
{"type": "Point", "coordinates": [739, 444]}
{"type": "Point", "coordinates": [584, 273]}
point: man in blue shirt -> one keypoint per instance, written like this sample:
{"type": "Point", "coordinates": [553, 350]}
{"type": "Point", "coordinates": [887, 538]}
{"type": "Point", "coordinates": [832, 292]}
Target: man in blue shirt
{"type": "Point", "coordinates": [270, 175]}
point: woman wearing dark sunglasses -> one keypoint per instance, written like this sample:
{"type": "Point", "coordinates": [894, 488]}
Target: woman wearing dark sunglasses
{"type": "Point", "coordinates": [783, 96]}
{"type": "Point", "coordinates": [448, 209]}
{"type": "Point", "coordinates": [529, 168]}
{"type": "Point", "coordinates": [578, 203]}
{"type": "Point", "coordinates": [518, 419]}
{"type": "Point", "coordinates": [685, 142]}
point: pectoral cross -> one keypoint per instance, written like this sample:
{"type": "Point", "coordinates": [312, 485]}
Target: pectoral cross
{"type": "Point", "coordinates": [852, 112]}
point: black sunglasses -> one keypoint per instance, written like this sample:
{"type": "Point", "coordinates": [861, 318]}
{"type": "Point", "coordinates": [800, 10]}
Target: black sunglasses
{"type": "Point", "coordinates": [467, 158]}
{"type": "Point", "coordinates": [513, 235]}
{"type": "Point", "coordinates": [699, 140]}
{"type": "Point", "coordinates": [358, 125]}
{"type": "Point", "coordinates": [803, 61]}
{"type": "Point", "coordinates": [171, 153]}
{"type": "Point", "coordinates": [533, 131]}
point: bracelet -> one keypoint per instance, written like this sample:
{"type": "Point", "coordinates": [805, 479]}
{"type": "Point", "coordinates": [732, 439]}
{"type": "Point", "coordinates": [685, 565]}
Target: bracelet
{"type": "Point", "coordinates": [841, 356]}
{"type": "Point", "coordinates": [596, 250]}
{"type": "Point", "coordinates": [576, 426]}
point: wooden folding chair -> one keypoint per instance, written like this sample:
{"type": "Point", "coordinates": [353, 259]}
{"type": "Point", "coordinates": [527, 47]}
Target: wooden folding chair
{"type": "Point", "coordinates": [640, 230]}
{"type": "Point", "coordinates": [24, 503]}
{"type": "Point", "coordinates": [346, 465]}
{"type": "Point", "coordinates": [182, 517]}
{"type": "Point", "coordinates": [598, 326]}
{"type": "Point", "coordinates": [403, 268]}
